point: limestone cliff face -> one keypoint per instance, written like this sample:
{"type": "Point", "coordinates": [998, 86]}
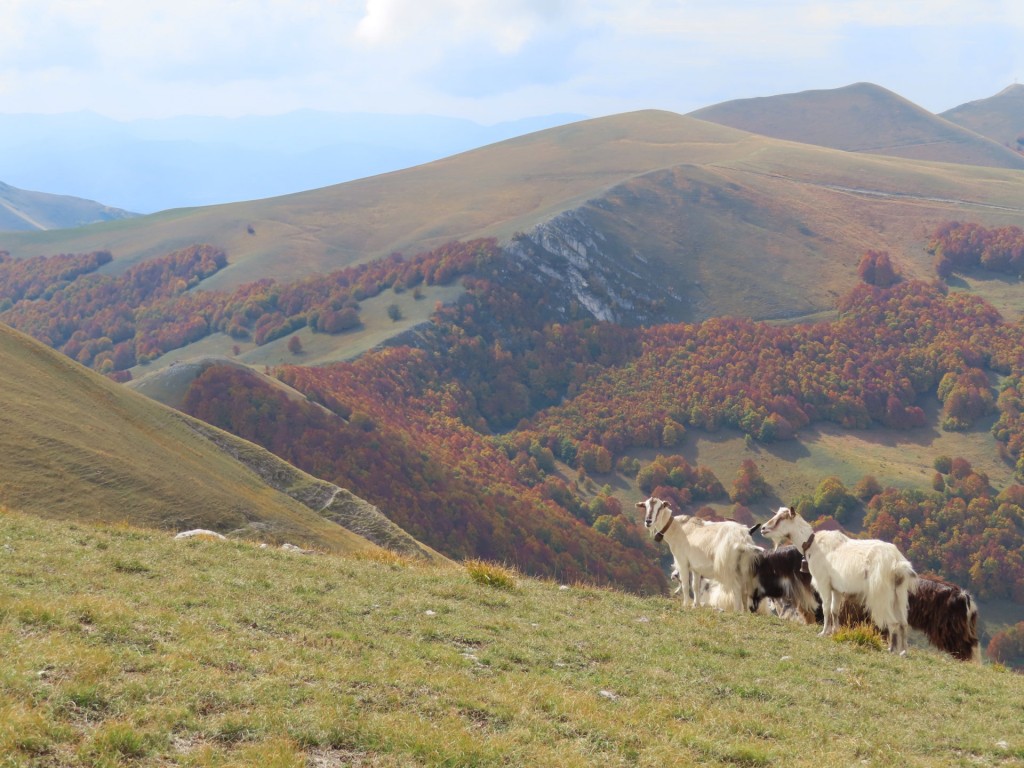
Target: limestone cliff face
{"type": "Point", "coordinates": [610, 280]}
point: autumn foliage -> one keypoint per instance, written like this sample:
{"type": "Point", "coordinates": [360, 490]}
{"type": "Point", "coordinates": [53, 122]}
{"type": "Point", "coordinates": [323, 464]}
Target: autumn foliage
{"type": "Point", "coordinates": [962, 247]}
{"type": "Point", "coordinates": [113, 322]}
{"type": "Point", "coordinates": [397, 443]}
{"type": "Point", "coordinates": [465, 440]}
{"type": "Point", "coordinates": [1007, 647]}
{"type": "Point", "coordinates": [875, 268]}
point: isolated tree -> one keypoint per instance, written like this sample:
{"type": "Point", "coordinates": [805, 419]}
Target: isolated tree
{"type": "Point", "coordinates": [749, 485]}
{"type": "Point", "coordinates": [876, 268]}
{"type": "Point", "coordinates": [832, 498]}
{"type": "Point", "coordinates": [295, 345]}
{"type": "Point", "coordinates": [1007, 646]}
{"type": "Point", "coordinates": [394, 312]}
{"type": "Point", "coordinates": [867, 487]}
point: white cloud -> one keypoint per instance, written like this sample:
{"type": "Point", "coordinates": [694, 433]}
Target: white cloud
{"type": "Point", "coordinates": [487, 59]}
{"type": "Point", "coordinates": [505, 26]}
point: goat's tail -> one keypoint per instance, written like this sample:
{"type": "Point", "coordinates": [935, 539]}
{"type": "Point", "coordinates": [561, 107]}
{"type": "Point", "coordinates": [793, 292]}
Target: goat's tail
{"type": "Point", "coordinates": [904, 579]}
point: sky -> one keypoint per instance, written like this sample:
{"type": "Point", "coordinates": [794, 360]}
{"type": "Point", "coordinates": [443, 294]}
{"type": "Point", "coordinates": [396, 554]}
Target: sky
{"type": "Point", "coordinates": [491, 60]}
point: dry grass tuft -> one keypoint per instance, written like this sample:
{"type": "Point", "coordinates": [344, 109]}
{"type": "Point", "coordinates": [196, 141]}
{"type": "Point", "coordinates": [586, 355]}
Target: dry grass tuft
{"type": "Point", "coordinates": [861, 635]}
{"type": "Point", "coordinates": [491, 574]}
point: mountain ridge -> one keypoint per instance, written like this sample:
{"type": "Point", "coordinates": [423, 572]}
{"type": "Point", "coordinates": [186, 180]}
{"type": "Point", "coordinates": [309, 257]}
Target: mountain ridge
{"type": "Point", "coordinates": [862, 117]}
{"type": "Point", "coordinates": [25, 210]}
{"type": "Point", "coordinates": [1000, 117]}
{"type": "Point", "coordinates": [213, 160]}
{"type": "Point", "coordinates": [744, 197]}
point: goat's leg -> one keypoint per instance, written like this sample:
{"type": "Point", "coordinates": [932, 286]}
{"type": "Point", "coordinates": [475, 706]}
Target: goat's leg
{"type": "Point", "coordinates": [697, 587]}
{"type": "Point", "coordinates": [902, 643]}
{"type": "Point", "coordinates": [830, 603]}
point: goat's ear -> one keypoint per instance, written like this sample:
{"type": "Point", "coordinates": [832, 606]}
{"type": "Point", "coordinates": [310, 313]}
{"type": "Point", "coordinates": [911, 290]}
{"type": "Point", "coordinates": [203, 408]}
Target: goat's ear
{"type": "Point", "coordinates": [641, 504]}
{"type": "Point", "coordinates": [790, 512]}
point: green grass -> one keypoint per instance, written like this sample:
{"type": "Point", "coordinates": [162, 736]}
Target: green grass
{"type": "Point", "coordinates": [222, 653]}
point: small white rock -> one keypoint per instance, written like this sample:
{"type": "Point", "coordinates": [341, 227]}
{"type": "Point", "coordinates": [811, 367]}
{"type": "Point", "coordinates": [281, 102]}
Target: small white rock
{"type": "Point", "coordinates": [563, 587]}
{"type": "Point", "coordinates": [430, 613]}
{"type": "Point", "coordinates": [1003, 744]}
{"type": "Point", "coordinates": [608, 695]}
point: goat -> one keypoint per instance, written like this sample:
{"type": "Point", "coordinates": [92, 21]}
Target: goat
{"type": "Point", "coordinates": [874, 571]}
{"type": "Point", "coordinates": [945, 613]}
{"type": "Point", "coordinates": [778, 576]}
{"type": "Point", "coordinates": [722, 551]}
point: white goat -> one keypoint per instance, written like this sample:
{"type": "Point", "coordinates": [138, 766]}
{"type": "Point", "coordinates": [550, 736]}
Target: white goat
{"type": "Point", "coordinates": [873, 571]}
{"type": "Point", "coordinates": [723, 552]}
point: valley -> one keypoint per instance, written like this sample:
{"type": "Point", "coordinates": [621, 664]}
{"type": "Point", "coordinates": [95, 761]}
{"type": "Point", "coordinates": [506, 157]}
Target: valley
{"type": "Point", "coordinates": [495, 352]}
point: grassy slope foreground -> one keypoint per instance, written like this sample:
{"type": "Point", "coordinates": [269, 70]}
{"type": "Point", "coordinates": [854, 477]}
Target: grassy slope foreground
{"type": "Point", "coordinates": [125, 647]}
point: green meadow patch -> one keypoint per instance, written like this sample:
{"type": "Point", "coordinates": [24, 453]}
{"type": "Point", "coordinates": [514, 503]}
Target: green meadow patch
{"type": "Point", "coordinates": [223, 653]}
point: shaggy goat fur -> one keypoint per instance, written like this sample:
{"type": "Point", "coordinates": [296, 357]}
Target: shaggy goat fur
{"type": "Point", "coordinates": [723, 551]}
{"type": "Point", "coordinates": [945, 613]}
{"type": "Point", "coordinates": [778, 576]}
{"type": "Point", "coordinates": [874, 571]}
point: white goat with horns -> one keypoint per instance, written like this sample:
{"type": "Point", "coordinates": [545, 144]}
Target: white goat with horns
{"type": "Point", "coordinates": [873, 571]}
{"type": "Point", "coordinates": [720, 551]}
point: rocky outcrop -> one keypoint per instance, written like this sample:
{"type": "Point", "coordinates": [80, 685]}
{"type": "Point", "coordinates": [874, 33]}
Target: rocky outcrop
{"type": "Point", "coordinates": [593, 270]}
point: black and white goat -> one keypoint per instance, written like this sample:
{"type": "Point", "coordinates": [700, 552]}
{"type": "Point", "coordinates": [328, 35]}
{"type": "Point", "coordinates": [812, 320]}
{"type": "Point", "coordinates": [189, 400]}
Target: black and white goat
{"type": "Point", "coordinates": [778, 576]}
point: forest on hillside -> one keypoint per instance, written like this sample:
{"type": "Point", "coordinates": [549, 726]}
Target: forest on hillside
{"type": "Point", "coordinates": [496, 434]}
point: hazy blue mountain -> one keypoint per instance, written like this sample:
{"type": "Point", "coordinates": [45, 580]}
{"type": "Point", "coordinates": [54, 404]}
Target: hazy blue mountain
{"type": "Point", "coordinates": [152, 165]}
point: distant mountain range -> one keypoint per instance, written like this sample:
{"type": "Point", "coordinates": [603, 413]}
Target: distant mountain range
{"type": "Point", "coordinates": [156, 165]}
{"type": "Point", "coordinates": [153, 165]}
{"type": "Point", "coordinates": [867, 118]}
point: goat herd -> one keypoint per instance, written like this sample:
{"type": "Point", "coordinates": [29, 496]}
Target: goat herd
{"type": "Point", "coordinates": [822, 574]}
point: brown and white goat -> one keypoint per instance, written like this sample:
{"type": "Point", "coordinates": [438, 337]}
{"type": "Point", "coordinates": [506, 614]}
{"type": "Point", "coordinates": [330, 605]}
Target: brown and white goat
{"type": "Point", "coordinates": [945, 613]}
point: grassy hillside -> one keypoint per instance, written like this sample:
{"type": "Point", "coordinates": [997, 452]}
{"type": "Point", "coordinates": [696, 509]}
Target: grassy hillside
{"type": "Point", "coordinates": [733, 223]}
{"type": "Point", "coordinates": [1000, 117]}
{"type": "Point", "coordinates": [208, 653]}
{"type": "Point", "coordinates": [495, 190]}
{"type": "Point", "coordinates": [79, 447]}
{"type": "Point", "coordinates": [862, 118]}
{"type": "Point", "coordinates": [22, 210]}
